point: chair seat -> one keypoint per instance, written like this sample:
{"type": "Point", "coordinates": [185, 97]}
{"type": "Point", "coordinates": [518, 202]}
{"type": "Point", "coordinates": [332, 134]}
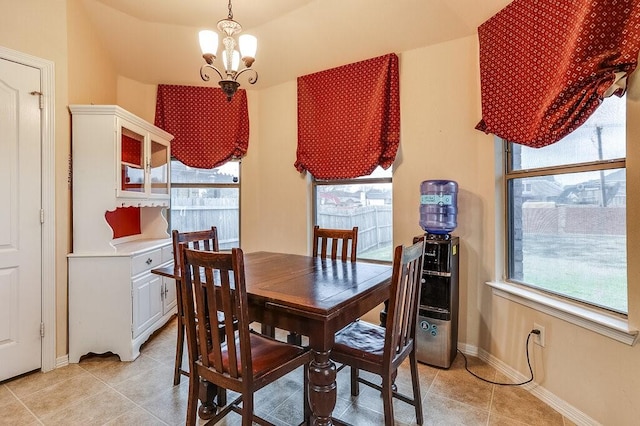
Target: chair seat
{"type": "Point", "coordinates": [266, 354]}
{"type": "Point", "coordinates": [361, 339]}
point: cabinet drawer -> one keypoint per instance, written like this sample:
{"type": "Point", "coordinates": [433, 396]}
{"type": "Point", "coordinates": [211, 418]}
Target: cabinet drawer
{"type": "Point", "coordinates": [144, 262]}
{"type": "Point", "coordinates": [167, 253]}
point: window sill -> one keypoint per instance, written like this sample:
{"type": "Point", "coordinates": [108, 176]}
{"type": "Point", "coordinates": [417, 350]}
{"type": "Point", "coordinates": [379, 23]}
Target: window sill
{"type": "Point", "coordinates": [601, 322]}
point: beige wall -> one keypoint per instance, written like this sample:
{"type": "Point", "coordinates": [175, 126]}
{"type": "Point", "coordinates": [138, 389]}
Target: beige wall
{"type": "Point", "coordinates": [440, 107]}
{"type": "Point", "coordinates": [92, 76]}
{"type": "Point", "coordinates": [137, 98]}
{"type": "Point", "coordinates": [39, 28]}
{"type": "Point", "coordinates": [274, 194]}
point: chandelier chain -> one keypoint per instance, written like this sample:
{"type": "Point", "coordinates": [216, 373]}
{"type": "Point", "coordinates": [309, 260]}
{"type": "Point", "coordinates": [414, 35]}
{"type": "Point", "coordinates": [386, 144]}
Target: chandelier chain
{"type": "Point", "coordinates": [230, 11]}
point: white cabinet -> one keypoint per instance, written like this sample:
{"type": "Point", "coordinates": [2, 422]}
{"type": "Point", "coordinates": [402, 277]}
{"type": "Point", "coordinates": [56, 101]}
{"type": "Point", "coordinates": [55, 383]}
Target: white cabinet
{"type": "Point", "coordinates": [104, 151]}
{"type": "Point", "coordinates": [115, 302]}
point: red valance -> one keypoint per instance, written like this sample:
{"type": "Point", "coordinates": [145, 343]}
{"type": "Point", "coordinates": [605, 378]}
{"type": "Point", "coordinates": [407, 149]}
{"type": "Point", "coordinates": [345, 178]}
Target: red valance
{"type": "Point", "coordinates": [546, 65]}
{"type": "Point", "coordinates": [208, 130]}
{"type": "Point", "coordinates": [349, 119]}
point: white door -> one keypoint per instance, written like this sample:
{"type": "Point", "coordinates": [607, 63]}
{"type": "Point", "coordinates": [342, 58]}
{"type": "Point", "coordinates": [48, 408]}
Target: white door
{"type": "Point", "coordinates": [20, 224]}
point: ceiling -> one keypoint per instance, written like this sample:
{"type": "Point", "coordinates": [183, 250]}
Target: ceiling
{"type": "Point", "coordinates": [156, 41]}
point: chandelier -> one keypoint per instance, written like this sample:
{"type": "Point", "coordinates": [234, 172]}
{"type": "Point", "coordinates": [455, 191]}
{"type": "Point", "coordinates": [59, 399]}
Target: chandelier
{"type": "Point", "coordinates": [230, 56]}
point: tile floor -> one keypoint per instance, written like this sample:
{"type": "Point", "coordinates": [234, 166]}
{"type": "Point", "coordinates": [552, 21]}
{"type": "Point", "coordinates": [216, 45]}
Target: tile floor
{"type": "Point", "coordinates": [101, 390]}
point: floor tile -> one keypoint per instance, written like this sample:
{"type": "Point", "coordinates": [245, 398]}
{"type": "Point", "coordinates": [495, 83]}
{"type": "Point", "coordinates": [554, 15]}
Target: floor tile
{"type": "Point", "coordinates": [114, 371]}
{"type": "Point", "coordinates": [63, 394]}
{"type": "Point", "coordinates": [34, 382]}
{"type": "Point", "coordinates": [15, 413]}
{"type": "Point", "coordinates": [144, 387]}
{"type": "Point", "coordinates": [518, 404]}
{"type": "Point", "coordinates": [102, 390]}
{"type": "Point", "coordinates": [443, 411]}
{"type": "Point", "coordinates": [136, 416]}
{"type": "Point", "coordinates": [94, 410]}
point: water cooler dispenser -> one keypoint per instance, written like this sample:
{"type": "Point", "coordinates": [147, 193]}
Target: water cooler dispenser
{"type": "Point", "coordinates": [437, 326]}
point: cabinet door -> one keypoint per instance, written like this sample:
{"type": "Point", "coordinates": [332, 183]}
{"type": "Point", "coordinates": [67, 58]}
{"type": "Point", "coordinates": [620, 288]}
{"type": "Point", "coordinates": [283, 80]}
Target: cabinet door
{"type": "Point", "coordinates": [131, 153]}
{"type": "Point", "coordinates": [159, 167]}
{"type": "Point", "coordinates": [169, 301]}
{"type": "Point", "coordinates": [147, 302]}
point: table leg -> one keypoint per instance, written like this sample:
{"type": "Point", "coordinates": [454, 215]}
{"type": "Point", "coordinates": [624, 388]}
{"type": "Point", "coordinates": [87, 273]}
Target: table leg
{"type": "Point", "coordinates": [322, 388]}
{"type": "Point", "coordinates": [207, 393]}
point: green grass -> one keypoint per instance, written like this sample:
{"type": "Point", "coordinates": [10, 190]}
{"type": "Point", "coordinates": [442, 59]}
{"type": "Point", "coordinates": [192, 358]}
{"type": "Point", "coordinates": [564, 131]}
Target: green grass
{"type": "Point", "coordinates": [584, 267]}
{"type": "Point", "coordinates": [382, 253]}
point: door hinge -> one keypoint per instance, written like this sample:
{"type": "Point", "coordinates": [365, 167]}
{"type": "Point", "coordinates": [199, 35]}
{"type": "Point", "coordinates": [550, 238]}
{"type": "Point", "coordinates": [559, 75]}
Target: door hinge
{"type": "Point", "coordinates": [41, 215]}
{"type": "Point", "coordinates": [41, 329]}
{"type": "Point", "coordinates": [40, 98]}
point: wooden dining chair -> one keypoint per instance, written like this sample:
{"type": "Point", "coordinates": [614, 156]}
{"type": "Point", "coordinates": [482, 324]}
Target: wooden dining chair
{"type": "Point", "coordinates": [381, 350]}
{"type": "Point", "coordinates": [241, 360]}
{"type": "Point", "coordinates": [199, 240]}
{"type": "Point", "coordinates": [326, 243]}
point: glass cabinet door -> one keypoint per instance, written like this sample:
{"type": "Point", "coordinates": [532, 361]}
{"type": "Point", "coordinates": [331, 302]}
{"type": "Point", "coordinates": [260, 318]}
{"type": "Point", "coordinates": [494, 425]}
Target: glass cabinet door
{"type": "Point", "coordinates": [132, 161]}
{"type": "Point", "coordinates": [159, 168]}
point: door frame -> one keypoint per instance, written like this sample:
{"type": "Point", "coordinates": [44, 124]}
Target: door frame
{"type": "Point", "coordinates": [47, 178]}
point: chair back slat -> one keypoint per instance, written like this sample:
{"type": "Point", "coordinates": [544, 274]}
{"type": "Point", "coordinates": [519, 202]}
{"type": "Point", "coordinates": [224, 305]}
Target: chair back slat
{"type": "Point", "coordinates": [403, 303]}
{"type": "Point", "coordinates": [198, 240]}
{"type": "Point", "coordinates": [331, 242]}
{"type": "Point", "coordinates": [215, 282]}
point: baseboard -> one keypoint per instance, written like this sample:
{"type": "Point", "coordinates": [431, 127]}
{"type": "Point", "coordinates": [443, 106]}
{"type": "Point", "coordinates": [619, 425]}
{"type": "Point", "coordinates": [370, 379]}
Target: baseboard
{"type": "Point", "coordinates": [62, 361]}
{"type": "Point", "coordinates": [561, 406]}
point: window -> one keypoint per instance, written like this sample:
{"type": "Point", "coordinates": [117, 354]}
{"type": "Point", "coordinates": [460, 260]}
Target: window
{"type": "Point", "coordinates": [365, 202]}
{"type": "Point", "coordinates": [202, 198]}
{"type": "Point", "coordinates": [566, 212]}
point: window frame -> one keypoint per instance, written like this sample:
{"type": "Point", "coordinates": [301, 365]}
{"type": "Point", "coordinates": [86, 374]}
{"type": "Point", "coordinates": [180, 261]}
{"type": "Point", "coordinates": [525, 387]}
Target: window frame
{"type": "Point", "coordinates": [509, 175]}
{"type": "Point", "coordinates": [620, 328]}
{"type": "Point", "coordinates": [204, 185]}
{"type": "Point", "coordinates": [366, 180]}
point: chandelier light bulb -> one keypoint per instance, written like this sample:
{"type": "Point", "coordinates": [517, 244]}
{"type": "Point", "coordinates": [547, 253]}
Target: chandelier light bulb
{"type": "Point", "coordinates": [208, 42]}
{"type": "Point", "coordinates": [235, 61]}
{"type": "Point", "coordinates": [248, 48]}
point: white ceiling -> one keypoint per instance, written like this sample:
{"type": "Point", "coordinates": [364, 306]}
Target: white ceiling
{"type": "Point", "coordinates": [156, 41]}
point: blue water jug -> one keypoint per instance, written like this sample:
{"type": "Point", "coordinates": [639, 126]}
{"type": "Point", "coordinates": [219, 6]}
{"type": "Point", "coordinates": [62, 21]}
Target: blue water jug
{"type": "Point", "coordinates": [438, 206]}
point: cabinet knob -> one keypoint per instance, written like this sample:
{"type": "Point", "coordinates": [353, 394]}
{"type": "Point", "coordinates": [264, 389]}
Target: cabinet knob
{"type": "Point", "coordinates": [149, 261]}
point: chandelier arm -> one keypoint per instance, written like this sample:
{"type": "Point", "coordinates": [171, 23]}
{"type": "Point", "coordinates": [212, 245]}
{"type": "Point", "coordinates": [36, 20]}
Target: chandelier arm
{"type": "Point", "coordinates": [205, 76]}
{"type": "Point", "coordinates": [249, 79]}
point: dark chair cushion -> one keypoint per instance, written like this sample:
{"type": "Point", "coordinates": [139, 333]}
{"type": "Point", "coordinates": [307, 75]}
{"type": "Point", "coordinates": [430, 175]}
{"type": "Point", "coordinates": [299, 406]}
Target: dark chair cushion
{"type": "Point", "coordinates": [362, 339]}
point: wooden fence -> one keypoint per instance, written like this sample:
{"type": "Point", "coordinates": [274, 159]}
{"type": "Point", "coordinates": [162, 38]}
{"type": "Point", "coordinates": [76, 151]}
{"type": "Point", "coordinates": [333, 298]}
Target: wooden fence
{"type": "Point", "coordinates": [374, 222]}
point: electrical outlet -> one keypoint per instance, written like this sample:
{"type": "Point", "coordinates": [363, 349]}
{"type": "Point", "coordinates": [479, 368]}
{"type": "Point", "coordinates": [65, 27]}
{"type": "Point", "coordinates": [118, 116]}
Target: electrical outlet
{"type": "Point", "coordinates": [538, 339]}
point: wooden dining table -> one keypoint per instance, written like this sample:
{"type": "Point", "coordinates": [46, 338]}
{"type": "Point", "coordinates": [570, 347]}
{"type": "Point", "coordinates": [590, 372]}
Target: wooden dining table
{"type": "Point", "coordinates": [313, 297]}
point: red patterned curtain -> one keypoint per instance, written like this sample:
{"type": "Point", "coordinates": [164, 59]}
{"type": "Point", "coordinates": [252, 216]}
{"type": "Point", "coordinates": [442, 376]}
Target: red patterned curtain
{"type": "Point", "coordinates": [546, 65]}
{"type": "Point", "coordinates": [131, 151]}
{"type": "Point", "coordinates": [349, 119]}
{"type": "Point", "coordinates": [208, 130]}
